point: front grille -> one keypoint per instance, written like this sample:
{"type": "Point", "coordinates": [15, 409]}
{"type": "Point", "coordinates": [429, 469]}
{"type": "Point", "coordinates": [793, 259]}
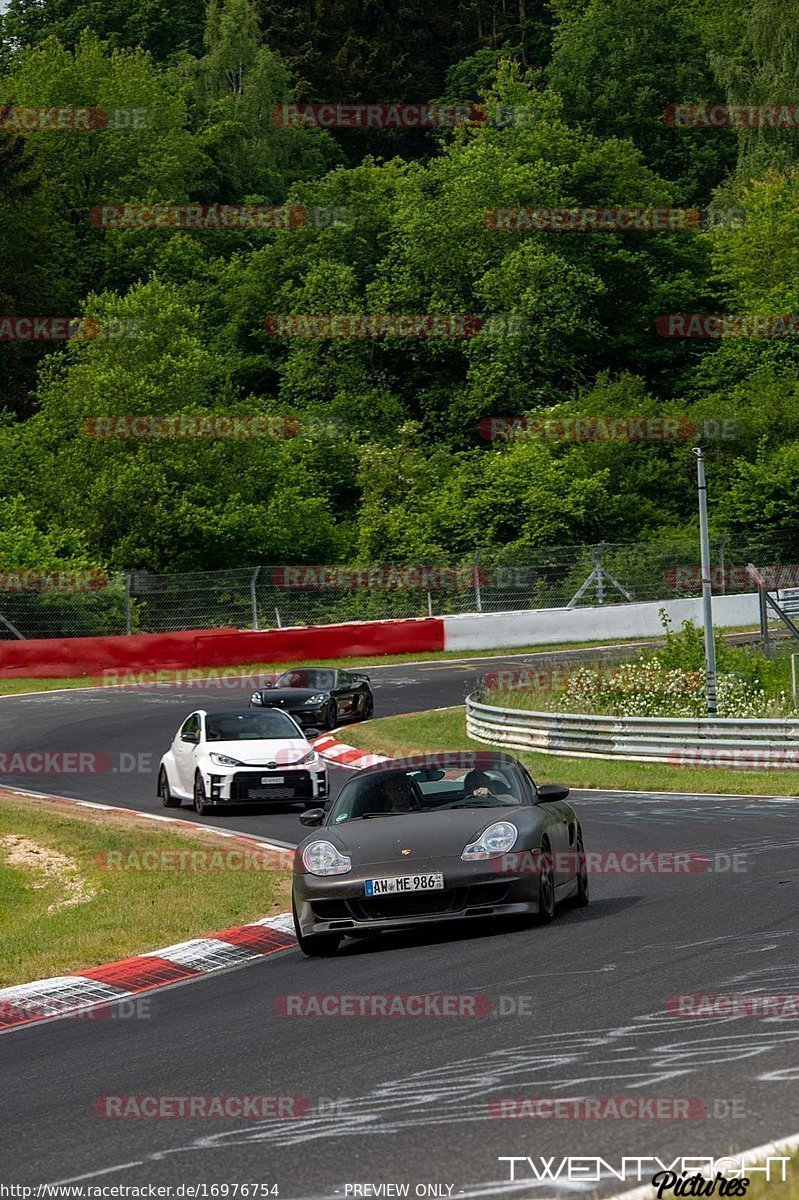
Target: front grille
{"type": "Point", "coordinates": [416, 904]}
{"type": "Point", "coordinates": [247, 785]}
{"type": "Point", "coordinates": [329, 910]}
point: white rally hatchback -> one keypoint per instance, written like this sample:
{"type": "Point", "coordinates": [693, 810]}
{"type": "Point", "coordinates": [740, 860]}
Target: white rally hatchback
{"type": "Point", "coordinates": [224, 759]}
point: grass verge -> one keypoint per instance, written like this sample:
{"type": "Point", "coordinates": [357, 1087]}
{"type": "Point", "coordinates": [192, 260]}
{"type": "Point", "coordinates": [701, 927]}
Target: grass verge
{"type": "Point", "coordinates": [421, 733]}
{"type": "Point", "coordinates": [63, 911]}
{"type": "Point", "coordinates": [12, 687]}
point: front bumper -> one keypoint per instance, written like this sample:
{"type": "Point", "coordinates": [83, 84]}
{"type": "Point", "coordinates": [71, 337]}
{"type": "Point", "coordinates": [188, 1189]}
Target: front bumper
{"type": "Point", "coordinates": [254, 785]}
{"type": "Point", "coordinates": [471, 890]}
{"type": "Point", "coordinates": [303, 716]}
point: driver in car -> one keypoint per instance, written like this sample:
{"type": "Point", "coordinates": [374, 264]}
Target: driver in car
{"type": "Point", "coordinates": [401, 795]}
{"type": "Point", "coordinates": [478, 783]}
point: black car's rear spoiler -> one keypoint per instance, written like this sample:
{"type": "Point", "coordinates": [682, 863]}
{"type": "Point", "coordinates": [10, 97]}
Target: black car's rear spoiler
{"type": "Point", "coordinates": [360, 676]}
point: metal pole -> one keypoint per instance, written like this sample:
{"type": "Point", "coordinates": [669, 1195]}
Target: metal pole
{"type": "Point", "coordinates": [707, 595]}
{"type": "Point", "coordinates": [277, 616]}
{"type": "Point", "coordinates": [599, 554]}
{"type": "Point", "coordinates": [254, 598]}
{"type": "Point", "coordinates": [127, 602]}
{"type": "Point", "coordinates": [429, 605]}
{"type": "Point", "coordinates": [478, 599]}
{"type": "Point", "coordinates": [793, 677]}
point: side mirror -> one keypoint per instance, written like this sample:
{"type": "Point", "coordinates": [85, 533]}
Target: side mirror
{"type": "Point", "coordinates": [193, 738]}
{"type": "Point", "coordinates": [312, 816]}
{"type": "Point", "coordinates": [312, 733]}
{"type": "Point", "coordinates": [550, 792]}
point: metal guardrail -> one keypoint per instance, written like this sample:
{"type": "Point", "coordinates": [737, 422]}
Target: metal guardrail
{"type": "Point", "coordinates": [678, 741]}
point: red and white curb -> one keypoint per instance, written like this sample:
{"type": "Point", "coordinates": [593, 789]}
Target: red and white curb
{"type": "Point", "coordinates": [341, 755]}
{"type": "Point", "coordinates": [72, 995]}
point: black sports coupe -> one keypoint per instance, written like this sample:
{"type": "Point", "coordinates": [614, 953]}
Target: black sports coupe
{"type": "Point", "coordinates": [445, 837]}
{"type": "Point", "coordinates": [319, 696]}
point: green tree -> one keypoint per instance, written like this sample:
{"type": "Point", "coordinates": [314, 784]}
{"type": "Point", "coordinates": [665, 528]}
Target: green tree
{"type": "Point", "coordinates": [618, 66]}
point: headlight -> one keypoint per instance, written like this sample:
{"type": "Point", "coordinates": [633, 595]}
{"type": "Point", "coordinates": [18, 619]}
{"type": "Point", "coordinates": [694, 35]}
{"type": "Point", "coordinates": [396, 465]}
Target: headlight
{"type": "Point", "coordinates": [256, 698]}
{"type": "Point", "coordinates": [497, 839]}
{"type": "Point", "coordinates": [319, 699]}
{"type": "Point", "coordinates": [322, 858]}
{"type": "Point", "coordinates": [310, 757]}
{"type": "Point", "coordinates": [222, 760]}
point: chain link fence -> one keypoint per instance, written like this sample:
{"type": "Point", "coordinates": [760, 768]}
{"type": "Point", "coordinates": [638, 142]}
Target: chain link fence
{"type": "Point", "coordinates": [269, 597]}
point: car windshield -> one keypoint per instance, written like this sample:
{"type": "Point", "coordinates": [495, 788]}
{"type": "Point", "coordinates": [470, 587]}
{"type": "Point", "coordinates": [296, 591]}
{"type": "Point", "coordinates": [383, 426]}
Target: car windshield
{"type": "Point", "coordinates": [388, 793]}
{"type": "Point", "coordinates": [306, 679]}
{"type": "Point", "coordinates": [250, 727]}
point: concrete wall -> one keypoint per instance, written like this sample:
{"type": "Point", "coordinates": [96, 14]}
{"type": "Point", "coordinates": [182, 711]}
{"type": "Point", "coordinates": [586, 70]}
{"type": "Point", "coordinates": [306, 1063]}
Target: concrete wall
{"type": "Point", "coordinates": [482, 631]}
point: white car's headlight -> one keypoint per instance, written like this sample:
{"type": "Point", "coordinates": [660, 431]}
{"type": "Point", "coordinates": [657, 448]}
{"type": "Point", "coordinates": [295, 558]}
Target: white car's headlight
{"type": "Point", "coordinates": [311, 758]}
{"type": "Point", "coordinates": [256, 698]}
{"type": "Point", "coordinates": [318, 699]}
{"type": "Point", "coordinates": [222, 760]}
{"type": "Point", "coordinates": [322, 858]}
{"type": "Point", "coordinates": [499, 838]}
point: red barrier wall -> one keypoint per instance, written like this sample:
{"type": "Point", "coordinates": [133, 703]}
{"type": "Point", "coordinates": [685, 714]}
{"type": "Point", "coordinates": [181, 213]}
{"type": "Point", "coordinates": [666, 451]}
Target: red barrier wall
{"type": "Point", "coordinates": [49, 658]}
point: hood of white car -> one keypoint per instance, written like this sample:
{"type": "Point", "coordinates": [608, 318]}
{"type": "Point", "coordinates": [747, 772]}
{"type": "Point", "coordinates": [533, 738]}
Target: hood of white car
{"type": "Point", "coordinates": [285, 752]}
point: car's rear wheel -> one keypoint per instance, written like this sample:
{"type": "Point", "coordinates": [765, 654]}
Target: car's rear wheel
{"type": "Point", "coordinates": [318, 945]}
{"type": "Point", "coordinates": [201, 806]}
{"type": "Point", "coordinates": [331, 715]}
{"type": "Point", "coordinates": [581, 896]}
{"type": "Point", "coordinates": [368, 707]}
{"type": "Point", "coordinates": [546, 885]}
{"type": "Point", "coordinates": [165, 792]}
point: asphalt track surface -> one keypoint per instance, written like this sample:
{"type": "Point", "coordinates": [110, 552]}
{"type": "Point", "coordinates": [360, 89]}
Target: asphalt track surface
{"type": "Point", "coordinates": [578, 1008]}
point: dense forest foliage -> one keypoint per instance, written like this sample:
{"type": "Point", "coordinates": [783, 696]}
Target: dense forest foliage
{"type": "Point", "coordinates": [387, 462]}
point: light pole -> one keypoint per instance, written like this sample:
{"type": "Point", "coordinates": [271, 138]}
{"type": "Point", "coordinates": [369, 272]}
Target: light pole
{"type": "Point", "coordinates": [707, 596]}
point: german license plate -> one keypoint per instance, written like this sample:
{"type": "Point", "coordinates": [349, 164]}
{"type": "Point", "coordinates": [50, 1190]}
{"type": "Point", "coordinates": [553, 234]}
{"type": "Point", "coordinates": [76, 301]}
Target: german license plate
{"type": "Point", "coordinates": [404, 883]}
{"type": "Point", "coordinates": [273, 779]}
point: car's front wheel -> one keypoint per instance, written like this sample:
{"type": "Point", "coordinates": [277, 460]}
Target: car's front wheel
{"type": "Point", "coordinates": [331, 715]}
{"type": "Point", "coordinates": [165, 792]}
{"type": "Point", "coordinates": [317, 945]}
{"type": "Point", "coordinates": [201, 805]}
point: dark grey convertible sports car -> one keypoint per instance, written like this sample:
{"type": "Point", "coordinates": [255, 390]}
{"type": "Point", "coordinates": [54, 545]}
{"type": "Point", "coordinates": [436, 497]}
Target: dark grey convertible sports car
{"type": "Point", "coordinates": [319, 696]}
{"type": "Point", "coordinates": [444, 837]}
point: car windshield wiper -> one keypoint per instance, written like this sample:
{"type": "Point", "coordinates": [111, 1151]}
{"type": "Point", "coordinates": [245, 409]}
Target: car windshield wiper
{"type": "Point", "coordinates": [472, 804]}
{"type": "Point", "coordinates": [368, 816]}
